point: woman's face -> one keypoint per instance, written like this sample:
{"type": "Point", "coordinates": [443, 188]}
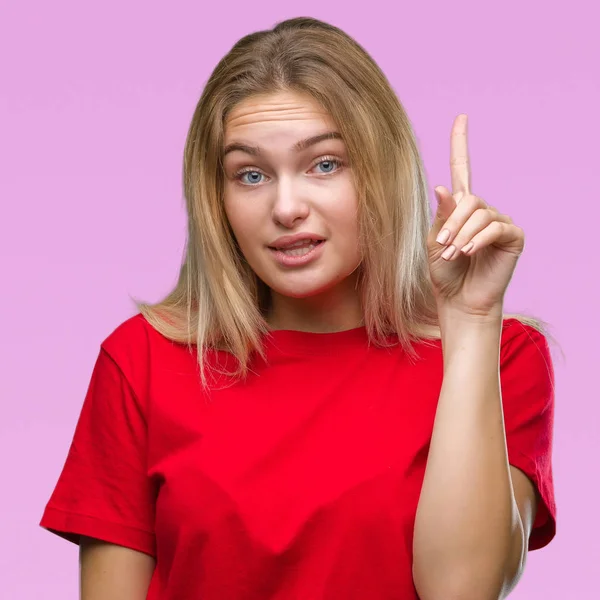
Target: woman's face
{"type": "Point", "coordinates": [279, 189]}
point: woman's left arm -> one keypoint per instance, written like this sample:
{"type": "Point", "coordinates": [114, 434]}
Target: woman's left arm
{"type": "Point", "coordinates": [475, 511]}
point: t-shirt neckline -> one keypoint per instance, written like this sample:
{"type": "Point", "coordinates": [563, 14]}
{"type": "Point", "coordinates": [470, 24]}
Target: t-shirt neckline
{"type": "Point", "coordinates": [292, 341]}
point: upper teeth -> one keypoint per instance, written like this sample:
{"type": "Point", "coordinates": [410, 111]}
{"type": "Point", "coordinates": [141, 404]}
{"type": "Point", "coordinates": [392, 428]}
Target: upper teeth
{"type": "Point", "coordinates": [300, 243]}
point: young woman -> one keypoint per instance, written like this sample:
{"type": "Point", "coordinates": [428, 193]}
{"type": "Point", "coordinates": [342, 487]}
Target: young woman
{"type": "Point", "coordinates": [332, 403]}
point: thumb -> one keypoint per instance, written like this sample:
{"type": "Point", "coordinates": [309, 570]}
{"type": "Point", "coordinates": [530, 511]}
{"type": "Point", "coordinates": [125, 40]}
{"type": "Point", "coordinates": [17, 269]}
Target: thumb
{"type": "Point", "coordinates": [446, 204]}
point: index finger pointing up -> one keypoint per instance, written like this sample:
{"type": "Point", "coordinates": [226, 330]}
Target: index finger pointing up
{"type": "Point", "coordinates": [460, 169]}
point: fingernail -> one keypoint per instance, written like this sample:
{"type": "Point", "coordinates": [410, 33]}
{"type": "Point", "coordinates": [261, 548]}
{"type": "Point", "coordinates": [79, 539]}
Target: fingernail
{"type": "Point", "coordinates": [449, 252]}
{"type": "Point", "coordinates": [467, 248]}
{"type": "Point", "coordinates": [443, 236]}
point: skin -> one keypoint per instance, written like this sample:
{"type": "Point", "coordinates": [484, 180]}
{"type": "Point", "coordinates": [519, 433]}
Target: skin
{"type": "Point", "coordinates": [459, 552]}
{"type": "Point", "coordinates": [111, 572]}
{"type": "Point", "coordinates": [288, 192]}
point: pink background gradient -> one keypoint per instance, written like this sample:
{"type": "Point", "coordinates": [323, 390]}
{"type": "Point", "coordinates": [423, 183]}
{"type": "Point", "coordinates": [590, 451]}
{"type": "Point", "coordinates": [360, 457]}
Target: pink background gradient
{"type": "Point", "coordinates": [95, 101]}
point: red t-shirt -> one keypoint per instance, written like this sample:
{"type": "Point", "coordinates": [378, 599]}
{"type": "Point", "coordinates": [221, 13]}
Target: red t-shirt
{"type": "Point", "coordinates": [300, 483]}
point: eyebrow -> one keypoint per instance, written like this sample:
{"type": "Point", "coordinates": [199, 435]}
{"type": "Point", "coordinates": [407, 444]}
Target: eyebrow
{"type": "Point", "coordinates": [297, 147]}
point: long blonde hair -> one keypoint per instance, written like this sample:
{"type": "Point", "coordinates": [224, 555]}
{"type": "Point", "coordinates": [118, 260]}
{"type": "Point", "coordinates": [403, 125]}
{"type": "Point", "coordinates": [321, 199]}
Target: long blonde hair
{"type": "Point", "coordinates": [218, 301]}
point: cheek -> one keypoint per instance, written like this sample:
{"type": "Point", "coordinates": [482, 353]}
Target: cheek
{"type": "Point", "coordinates": [345, 220]}
{"type": "Point", "coordinates": [351, 243]}
{"type": "Point", "coordinates": [247, 226]}
{"type": "Point", "coordinates": [242, 221]}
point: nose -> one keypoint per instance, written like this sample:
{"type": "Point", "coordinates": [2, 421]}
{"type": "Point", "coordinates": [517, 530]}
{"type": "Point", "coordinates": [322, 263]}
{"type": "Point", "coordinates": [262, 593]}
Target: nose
{"type": "Point", "coordinates": [290, 204]}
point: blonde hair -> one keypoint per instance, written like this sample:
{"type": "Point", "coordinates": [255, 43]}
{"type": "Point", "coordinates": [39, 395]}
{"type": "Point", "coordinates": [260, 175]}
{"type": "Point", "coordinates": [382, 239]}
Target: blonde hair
{"type": "Point", "coordinates": [218, 301]}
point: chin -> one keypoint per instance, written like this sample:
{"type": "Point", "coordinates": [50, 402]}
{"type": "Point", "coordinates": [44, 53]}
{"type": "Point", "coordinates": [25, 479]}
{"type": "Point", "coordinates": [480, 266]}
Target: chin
{"type": "Point", "coordinates": [304, 289]}
{"type": "Point", "coordinates": [303, 293]}
{"type": "Point", "coordinates": [296, 291]}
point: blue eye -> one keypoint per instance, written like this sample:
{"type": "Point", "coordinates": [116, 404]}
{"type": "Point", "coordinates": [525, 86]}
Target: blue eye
{"type": "Point", "coordinates": [327, 162]}
{"type": "Point", "coordinates": [255, 174]}
{"type": "Point", "coordinates": [253, 181]}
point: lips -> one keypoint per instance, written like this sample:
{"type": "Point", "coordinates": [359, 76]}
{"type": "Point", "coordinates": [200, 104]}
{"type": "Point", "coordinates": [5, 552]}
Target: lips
{"type": "Point", "coordinates": [297, 245]}
{"type": "Point", "coordinates": [300, 255]}
{"type": "Point", "coordinates": [300, 239]}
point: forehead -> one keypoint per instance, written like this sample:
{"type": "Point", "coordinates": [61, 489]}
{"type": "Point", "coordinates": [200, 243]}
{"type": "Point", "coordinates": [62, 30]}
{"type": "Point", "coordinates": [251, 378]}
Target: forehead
{"type": "Point", "coordinates": [277, 112]}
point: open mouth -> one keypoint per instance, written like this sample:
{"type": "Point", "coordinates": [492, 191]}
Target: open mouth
{"type": "Point", "coordinates": [299, 249]}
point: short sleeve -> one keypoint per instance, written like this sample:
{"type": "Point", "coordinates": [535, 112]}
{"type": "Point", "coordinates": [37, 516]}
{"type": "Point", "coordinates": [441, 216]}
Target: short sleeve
{"type": "Point", "coordinates": [527, 380]}
{"type": "Point", "coordinates": [103, 490]}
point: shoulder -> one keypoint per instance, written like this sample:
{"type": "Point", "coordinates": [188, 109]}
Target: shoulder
{"type": "Point", "coordinates": [514, 328]}
{"type": "Point", "coordinates": [519, 337]}
{"type": "Point", "coordinates": [128, 340]}
{"type": "Point", "coordinates": [525, 359]}
{"type": "Point", "coordinates": [139, 349]}
{"type": "Point", "coordinates": [133, 345]}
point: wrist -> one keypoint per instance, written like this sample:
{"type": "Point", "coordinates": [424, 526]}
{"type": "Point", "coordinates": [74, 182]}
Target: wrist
{"type": "Point", "coordinates": [449, 315]}
{"type": "Point", "coordinates": [467, 334]}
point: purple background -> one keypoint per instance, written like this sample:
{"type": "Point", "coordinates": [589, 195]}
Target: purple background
{"type": "Point", "coordinates": [95, 102]}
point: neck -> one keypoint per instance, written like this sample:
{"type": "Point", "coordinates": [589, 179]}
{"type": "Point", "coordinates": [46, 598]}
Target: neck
{"type": "Point", "coordinates": [337, 309]}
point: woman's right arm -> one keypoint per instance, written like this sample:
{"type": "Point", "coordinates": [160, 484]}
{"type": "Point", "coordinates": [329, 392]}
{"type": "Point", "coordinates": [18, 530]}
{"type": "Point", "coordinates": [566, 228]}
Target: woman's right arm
{"type": "Point", "coordinates": [111, 572]}
{"type": "Point", "coordinates": [104, 499]}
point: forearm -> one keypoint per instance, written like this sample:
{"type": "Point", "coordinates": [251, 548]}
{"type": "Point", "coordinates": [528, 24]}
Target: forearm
{"type": "Point", "coordinates": [467, 530]}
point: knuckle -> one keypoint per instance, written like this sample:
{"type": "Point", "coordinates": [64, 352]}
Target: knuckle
{"type": "Point", "coordinates": [475, 202]}
{"type": "Point", "coordinates": [498, 226]}
{"type": "Point", "coordinates": [483, 214]}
